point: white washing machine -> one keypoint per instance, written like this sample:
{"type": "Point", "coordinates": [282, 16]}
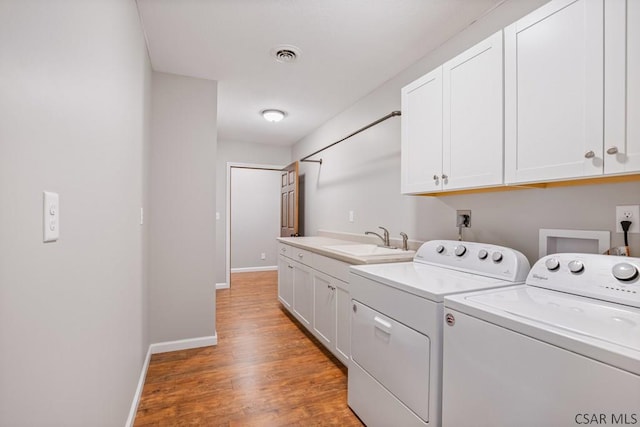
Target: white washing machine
{"type": "Point", "coordinates": [395, 374]}
{"type": "Point", "coordinates": [561, 350]}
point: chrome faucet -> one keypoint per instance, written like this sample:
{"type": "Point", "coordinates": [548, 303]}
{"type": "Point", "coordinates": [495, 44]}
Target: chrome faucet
{"type": "Point", "coordinates": [385, 238]}
{"type": "Point", "coordinates": [405, 241]}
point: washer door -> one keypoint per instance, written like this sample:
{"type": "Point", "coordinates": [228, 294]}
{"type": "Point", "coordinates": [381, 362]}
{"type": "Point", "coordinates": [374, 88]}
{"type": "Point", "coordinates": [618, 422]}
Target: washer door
{"type": "Point", "coordinates": [394, 354]}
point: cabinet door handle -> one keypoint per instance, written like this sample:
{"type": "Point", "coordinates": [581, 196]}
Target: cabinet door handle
{"type": "Point", "coordinates": [612, 150]}
{"type": "Point", "coordinates": [436, 177]}
{"type": "Point", "coordinates": [444, 176]}
{"type": "Point", "coordinates": [300, 255]}
{"type": "Point", "coordinates": [589, 154]}
{"type": "Point", "coordinates": [290, 266]}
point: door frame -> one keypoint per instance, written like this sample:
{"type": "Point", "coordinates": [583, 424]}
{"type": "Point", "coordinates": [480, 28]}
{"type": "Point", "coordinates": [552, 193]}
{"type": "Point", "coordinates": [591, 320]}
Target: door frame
{"type": "Point", "coordinates": [231, 165]}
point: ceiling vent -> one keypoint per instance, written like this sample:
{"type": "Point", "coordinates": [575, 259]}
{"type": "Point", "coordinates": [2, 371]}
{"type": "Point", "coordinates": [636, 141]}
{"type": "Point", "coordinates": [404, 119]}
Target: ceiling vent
{"type": "Point", "coordinates": [285, 53]}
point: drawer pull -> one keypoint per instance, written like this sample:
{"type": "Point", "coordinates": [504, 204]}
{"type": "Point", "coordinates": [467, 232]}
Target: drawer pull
{"type": "Point", "coordinates": [300, 255]}
{"type": "Point", "coordinates": [382, 324]}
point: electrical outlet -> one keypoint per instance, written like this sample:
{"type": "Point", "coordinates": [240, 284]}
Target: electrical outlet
{"type": "Point", "coordinates": [463, 218]}
{"type": "Point", "coordinates": [628, 213]}
{"type": "Point", "coordinates": [263, 255]}
{"type": "Point", "coordinates": [351, 216]}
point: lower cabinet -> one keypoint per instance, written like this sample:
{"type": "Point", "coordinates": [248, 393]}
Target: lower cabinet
{"type": "Point", "coordinates": [303, 293]}
{"type": "Point", "coordinates": [319, 300]}
{"type": "Point", "coordinates": [343, 319]}
{"type": "Point", "coordinates": [324, 308]}
{"type": "Point", "coordinates": [285, 282]}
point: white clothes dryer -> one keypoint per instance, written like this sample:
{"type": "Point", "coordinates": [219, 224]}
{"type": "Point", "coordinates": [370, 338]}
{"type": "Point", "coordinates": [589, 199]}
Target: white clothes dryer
{"type": "Point", "coordinates": [395, 372]}
{"type": "Point", "coordinates": [561, 350]}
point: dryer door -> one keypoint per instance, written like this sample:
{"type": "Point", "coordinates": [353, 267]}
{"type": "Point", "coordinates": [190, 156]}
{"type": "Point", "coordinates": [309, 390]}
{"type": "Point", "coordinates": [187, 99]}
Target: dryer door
{"type": "Point", "coordinates": [394, 354]}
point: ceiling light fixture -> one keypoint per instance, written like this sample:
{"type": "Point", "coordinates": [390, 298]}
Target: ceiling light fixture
{"type": "Point", "coordinates": [273, 115]}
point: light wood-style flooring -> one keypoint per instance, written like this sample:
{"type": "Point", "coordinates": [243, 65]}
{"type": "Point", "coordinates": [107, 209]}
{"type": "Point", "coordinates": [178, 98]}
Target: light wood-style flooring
{"type": "Point", "coordinates": [265, 371]}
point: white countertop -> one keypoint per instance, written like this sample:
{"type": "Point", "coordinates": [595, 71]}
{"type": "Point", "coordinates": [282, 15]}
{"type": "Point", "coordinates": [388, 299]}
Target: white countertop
{"type": "Point", "coordinates": [318, 244]}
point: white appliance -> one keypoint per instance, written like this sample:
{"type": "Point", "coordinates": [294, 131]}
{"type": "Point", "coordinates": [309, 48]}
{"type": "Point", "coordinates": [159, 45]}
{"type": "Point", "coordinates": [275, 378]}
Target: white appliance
{"type": "Point", "coordinates": [395, 374]}
{"type": "Point", "coordinates": [561, 350]}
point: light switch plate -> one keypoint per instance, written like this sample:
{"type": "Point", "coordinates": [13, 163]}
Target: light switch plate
{"type": "Point", "coordinates": [50, 216]}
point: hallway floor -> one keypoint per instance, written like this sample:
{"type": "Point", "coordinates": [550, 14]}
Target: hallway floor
{"type": "Point", "coordinates": [265, 370]}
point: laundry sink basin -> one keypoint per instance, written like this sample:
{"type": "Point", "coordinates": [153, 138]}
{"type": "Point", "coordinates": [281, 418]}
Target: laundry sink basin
{"type": "Point", "coordinates": [366, 250]}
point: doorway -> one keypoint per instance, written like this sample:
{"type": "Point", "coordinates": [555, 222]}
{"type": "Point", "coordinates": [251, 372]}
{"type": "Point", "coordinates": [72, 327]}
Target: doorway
{"type": "Point", "coordinates": [253, 217]}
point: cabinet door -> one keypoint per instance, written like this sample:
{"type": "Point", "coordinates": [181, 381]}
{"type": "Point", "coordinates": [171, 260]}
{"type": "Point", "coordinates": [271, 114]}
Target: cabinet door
{"type": "Point", "coordinates": [554, 92]}
{"type": "Point", "coordinates": [622, 87]}
{"type": "Point", "coordinates": [421, 129]}
{"type": "Point", "coordinates": [343, 322]}
{"type": "Point", "coordinates": [472, 117]}
{"type": "Point", "coordinates": [302, 293]}
{"type": "Point", "coordinates": [285, 282]}
{"type": "Point", "coordinates": [324, 308]}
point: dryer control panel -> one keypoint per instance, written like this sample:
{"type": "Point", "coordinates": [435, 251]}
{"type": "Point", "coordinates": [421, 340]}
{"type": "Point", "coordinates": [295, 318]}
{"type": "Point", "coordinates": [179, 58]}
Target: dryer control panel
{"type": "Point", "coordinates": [605, 277]}
{"type": "Point", "coordinates": [483, 259]}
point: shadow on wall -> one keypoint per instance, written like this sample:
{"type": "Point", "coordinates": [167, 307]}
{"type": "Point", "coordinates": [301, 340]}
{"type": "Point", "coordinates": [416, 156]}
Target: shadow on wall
{"type": "Point", "coordinates": [354, 175]}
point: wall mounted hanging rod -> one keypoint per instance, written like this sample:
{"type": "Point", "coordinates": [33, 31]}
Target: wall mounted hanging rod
{"type": "Point", "coordinates": [380, 120]}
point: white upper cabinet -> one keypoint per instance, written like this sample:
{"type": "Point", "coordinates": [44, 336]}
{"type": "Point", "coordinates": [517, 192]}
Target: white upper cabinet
{"type": "Point", "coordinates": [452, 123]}
{"type": "Point", "coordinates": [554, 87]}
{"type": "Point", "coordinates": [421, 130]}
{"type": "Point", "coordinates": [472, 117]}
{"type": "Point", "coordinates": [622, 87]}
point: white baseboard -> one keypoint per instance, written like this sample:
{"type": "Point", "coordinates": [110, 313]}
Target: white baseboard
{"type": "Point", "coordinates": [222, 285]}
{"type": "Point", "coordinates": [136, 397]}
{"type": "Point", "coordinates": [253, 269]}
{"type": "Point", "coordinates": [163, 347]}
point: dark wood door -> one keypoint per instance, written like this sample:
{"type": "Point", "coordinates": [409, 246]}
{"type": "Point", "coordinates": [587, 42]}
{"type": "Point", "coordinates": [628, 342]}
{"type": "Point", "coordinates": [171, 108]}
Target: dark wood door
{"type": "Point", "coordinates": [289, 201]}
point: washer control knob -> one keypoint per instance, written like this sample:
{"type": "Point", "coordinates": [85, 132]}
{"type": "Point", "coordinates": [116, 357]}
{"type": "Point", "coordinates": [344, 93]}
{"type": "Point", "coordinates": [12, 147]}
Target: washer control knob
{"type": "Point", "coordinates": [483, 254]}
{"type": "Point", "coordinates": [460, 250]}
{"type": "Point", "coordinates": [496, 256]}
{"type": "Point", "coordinates": [625, 271]}
{"type": "Point", "coordinates": [439, 249]}
{"type": "Point", "coordinates": [552, 264]}
{"type": "Point", "coordinates": [576, 266]}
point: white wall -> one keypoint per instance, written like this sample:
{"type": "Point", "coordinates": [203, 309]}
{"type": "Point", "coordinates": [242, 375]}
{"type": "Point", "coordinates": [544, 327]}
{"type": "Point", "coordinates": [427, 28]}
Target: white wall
{"type": "Point", "coordinates": [75, 93]}
{"type": "Point", "coordinates": [238, 152]}
{"type": "Point", "coordinates": [363, 174]}
{"type": "Point", "coordinates": [255, 217]}
{"type": "Point", "coordinates": [182, 208]}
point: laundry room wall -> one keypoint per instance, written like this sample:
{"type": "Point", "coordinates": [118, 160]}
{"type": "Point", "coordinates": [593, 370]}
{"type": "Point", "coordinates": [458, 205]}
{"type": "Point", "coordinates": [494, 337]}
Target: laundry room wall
{"type": "Point", "coordinates": [74, 119]}
{"type": "Point", "coordinates": [362, 174]}
{"type": "Point", "coordinates": [182, 215]}
{"type": "Point", "coordinates": [238, 152]}
{"type": "Point", "coordinates": [255, 219]}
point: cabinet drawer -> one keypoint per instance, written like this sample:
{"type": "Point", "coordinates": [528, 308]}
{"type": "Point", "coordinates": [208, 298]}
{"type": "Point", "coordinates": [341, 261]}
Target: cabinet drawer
{"type": "Point", "coordinates": [302, 256]}
{"type": "Point", "coordinates": [332, 267]}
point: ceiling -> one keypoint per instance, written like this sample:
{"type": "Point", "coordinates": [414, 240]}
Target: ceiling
{"type": "Point", "coordinates": [348, 48]}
